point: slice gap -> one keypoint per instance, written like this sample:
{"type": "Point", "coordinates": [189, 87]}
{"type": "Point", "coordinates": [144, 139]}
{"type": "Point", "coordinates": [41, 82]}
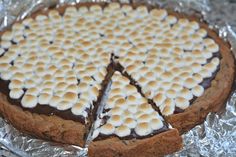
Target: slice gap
{"type": "Point", "coordinates": [97, 105]}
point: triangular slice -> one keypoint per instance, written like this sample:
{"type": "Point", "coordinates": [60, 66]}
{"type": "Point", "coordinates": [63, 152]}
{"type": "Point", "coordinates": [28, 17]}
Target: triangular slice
{"type": "Point", "coordinates": [129, 126]}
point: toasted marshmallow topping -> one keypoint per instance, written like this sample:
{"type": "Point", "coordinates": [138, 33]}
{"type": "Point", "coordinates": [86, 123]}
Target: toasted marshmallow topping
{"type": "Point", "coordinates": [156, 124]}
{"type": "Point", "coordinates": [64, 68]}
{"type": "Point", "coordinates": [181, 102]}
{"type": "Point", "coordinates": [143, 129]}
{"type": "Point", "coordinates": [130, 122]}
{"type": "Point", "coordinates": [16, 93]}
{"type": "Point", "coordinates": [107, 129]}
{"type": "Point", "coordinates": [197, 91]}
{"type": "Point", "coordinates": [168, 107]}
{"type": "Point", "coordinates": [122, 131]}
{"type": "Point", "coordinates": [178, 60]}
{"type": "Point", "coordinates": [29, 101]}
{"type": "Point", "coordinates": [169, 66]}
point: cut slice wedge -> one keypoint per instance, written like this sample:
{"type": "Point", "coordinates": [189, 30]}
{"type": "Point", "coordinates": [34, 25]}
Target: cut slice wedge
{"type": "Point", "coordinates": [128, 125]}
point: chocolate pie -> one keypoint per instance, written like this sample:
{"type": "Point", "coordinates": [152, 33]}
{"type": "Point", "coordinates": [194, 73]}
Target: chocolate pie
{"type": "Point", "coordinates": [120, 79]}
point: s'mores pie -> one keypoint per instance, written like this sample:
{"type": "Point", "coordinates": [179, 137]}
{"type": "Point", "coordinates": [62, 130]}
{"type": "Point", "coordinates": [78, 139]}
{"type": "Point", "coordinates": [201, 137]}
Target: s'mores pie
{"type": "Point", "coordinates": [132, 77]}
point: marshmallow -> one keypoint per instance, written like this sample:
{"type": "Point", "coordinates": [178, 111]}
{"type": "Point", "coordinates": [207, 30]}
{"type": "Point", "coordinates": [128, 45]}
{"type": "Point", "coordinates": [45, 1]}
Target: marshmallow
{"type": "Point", "coordinates": [78, 109]}
{"type": "Point", "coordinates": [198, 78]}
{"type": "Point", "coordinates": [158, 13]}
{"type": "Point", "coordinates": [194, 25]}
{"type": "Point", "coordinates": [32, 91]}
{"type": "Point", "coordinates": [182, 103]}
{"type": "Point", "coordinates": [130, 122]}
{"type": "Point", "coordinates": [176, 87]}
{"type": "Point", "coordinates": [213, 48]}
{"type": "Point", "coordinates": [211, 67]}
{"type": "Point", "coordinates": [215, 61]}
{"type": "Point", "coordinates": [183, 22]}
{"type": "Point", "coordinates": [54, 101]}
{"type": "Point", "coordinates": [202, 32]}
{"type": "Point", "coordinates": [190, 83]}
{"type": "Point", "coordinates": [107, 129]}
{"type": "Point", "coordinates": [16, 84]}
{"type": "Point", "coordinates": [171, 19]}
{"type": "Point", "coordinates": [196, 67]}
{"type": "Point", "coordinates": [126, 8]}
{"type": "Point", "coordinates": [145, 107]}
{"type": "Point", "coordinates": [167, 76]}
{"type": "Point", "coordinates": [29, 101]}
{"type": "Point", "coordinates": [143, 129]}
{"type": "Point", "coordinates": [205, 73]}
{"type": "Point", "coordinates": [144, 118]}
{"type": "Point", "coordinates": [171, 93]}
{"type": "Point", "coordinates": [159, 99]}
{"type": "Point", "coordinates": [16, 93]}
{"type": "Point", "coordinates": [121, 102]}
{"type": "Point", "coordinates": [156, 124]}
{"type": "Point", "coordinates": [122, 131]}
{"type": "Point", "coordinates": [114, 5]}
{"type": "Point", "coordinates": [127, 114]}
{"type": "Point", "coordinates": [44, 98]}
{"type": "Point", "coordinates": [70, 97]}
{"type": "Point", "coordinates": [116, 111]}
{"type": "Point", "coordinates": [4, 66]}
{"type": "Point", "coordinates": [168, 107]}
{"type": "Point", "coordinates": [197, 91]}
{"type": "Point", "coordinates": [64, 105]}
{"type": "Point", "coordinates": [115, 120]}
{"type": "Point", "coordinates": [185, 93]}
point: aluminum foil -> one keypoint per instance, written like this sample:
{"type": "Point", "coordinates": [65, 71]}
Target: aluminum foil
{"type": "Point", "coordinates": [215, 137]}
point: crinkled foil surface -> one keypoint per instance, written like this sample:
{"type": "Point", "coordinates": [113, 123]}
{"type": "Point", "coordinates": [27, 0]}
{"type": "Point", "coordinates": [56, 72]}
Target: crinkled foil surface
{"type": "Point", "coordinates": [215, 137]}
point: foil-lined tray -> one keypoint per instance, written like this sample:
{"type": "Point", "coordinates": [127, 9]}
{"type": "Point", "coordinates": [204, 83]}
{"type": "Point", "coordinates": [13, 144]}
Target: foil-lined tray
{"type": "Point", "coordinates": [215, 137]}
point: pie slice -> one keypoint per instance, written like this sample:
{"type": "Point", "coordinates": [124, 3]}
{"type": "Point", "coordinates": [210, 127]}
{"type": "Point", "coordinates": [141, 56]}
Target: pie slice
{"type": "Point", "coordinates": [129, 126]}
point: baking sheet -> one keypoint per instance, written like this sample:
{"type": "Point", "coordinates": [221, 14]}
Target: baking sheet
{"type": "Point", "coordinates": [215, 137]}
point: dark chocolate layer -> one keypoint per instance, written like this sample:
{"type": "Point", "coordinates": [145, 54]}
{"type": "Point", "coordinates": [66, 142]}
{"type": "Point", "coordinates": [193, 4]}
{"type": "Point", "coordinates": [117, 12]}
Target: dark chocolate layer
{"type": "Point", "coordinates": [133, 135]}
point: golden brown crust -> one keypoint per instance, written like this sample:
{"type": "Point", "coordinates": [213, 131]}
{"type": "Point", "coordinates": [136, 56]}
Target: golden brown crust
{"type": "Point", "coordinates": [47, 127]}
{"type": "Point", "coordinates": [158, 145]}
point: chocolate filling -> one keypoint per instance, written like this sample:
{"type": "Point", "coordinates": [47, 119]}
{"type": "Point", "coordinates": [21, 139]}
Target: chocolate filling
{"type": "Point", "coordinates": [133, 135]}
